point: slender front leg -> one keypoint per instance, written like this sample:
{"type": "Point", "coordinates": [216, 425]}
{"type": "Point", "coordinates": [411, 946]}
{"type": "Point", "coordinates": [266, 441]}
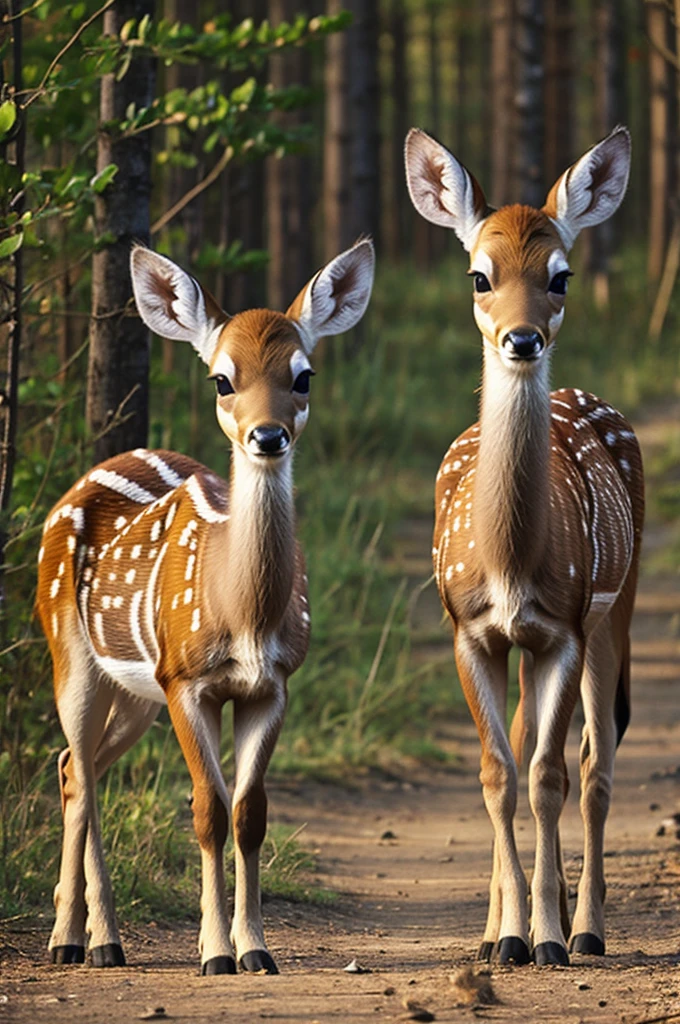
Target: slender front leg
{"type": "Point", "coordinates": [196, 720]}
{"type": "Point", "coordinates": [483, 676]}
{"type": "Point", "coordinates": [605, 662]}
{"type": "Point", "coordinates": [558, 673]}
{"type": "Point", "coordinates": [256, 729]}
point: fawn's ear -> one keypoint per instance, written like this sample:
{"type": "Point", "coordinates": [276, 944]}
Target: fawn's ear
{"type": "Point", "coordinates": [441, 189]}
{"type": "Point", "coordinates": [172, 304]}
{"type": "Point", "coordinates": [336, 297]}
{"type": "Point", "coordinates": [591, 190]}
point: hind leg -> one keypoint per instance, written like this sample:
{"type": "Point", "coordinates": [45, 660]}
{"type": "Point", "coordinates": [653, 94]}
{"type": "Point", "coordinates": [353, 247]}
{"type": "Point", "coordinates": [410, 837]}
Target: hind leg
{"type": "Point", "coordinates": [606, 662]}
{"type": "Point", "coordinates": [83, 702]}
{"type": "Point", "coordinates": [116, 720]}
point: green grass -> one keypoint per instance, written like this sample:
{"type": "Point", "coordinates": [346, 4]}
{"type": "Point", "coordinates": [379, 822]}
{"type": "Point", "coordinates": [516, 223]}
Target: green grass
{"type": "Point", "coordinates": [368, 693]}
{"type": "Point", "coordinates": [148, 835]}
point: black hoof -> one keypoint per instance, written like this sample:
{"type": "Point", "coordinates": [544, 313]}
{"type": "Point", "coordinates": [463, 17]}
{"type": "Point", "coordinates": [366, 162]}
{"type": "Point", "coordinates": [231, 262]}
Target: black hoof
{"type": "Point", "coordinates": [219, 965]}
{"type": "Point", "coordinates": [586, 942]}
{"type": "Point", "coordinates": [485, 952]}
{"type": "Point", "coordinates": [68, 954]}
{"type": "Point", "coordinates": [110, 955]}
{"type": "Point", "coordinates": [258, 961]}
{"type": "Point", "coordinates": [513, 950]}
{"type": "Point", "coordinates": [551, 953]}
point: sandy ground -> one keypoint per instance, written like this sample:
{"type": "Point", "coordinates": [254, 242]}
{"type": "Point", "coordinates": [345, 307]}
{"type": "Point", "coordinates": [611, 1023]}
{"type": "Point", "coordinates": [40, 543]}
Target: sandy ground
{"type": "Point", "coordinates": [410, 860]}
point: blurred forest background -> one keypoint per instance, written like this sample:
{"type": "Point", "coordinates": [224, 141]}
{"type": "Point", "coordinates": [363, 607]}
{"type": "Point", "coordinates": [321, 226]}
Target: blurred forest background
{"type": "Point", "coordinates": [251, 143]}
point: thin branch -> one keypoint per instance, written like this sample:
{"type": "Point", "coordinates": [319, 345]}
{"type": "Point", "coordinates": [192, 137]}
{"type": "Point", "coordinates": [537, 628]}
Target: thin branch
{"type": "Point", "coordinates": [13, 17]}
{"type": "Point", "coordinates": [212, 176]}
{"type": "Point", "coordinates": [74, 39]}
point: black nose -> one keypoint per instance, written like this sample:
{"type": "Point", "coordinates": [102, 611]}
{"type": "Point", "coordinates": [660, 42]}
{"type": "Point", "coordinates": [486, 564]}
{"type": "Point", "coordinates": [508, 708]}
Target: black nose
{"type": "Point", "coordinates": [523, 344]}
{"type": "Point", "coordinates": [270, 440]}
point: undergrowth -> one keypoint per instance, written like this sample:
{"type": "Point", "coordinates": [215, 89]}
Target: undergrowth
{"type": "Point", "coordinates": [369, 692]}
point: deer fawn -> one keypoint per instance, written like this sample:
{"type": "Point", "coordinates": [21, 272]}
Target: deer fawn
{"type": "Point", "coordinates": [539, 511]}
{"type": "Point", "coordinates": [161, 583]}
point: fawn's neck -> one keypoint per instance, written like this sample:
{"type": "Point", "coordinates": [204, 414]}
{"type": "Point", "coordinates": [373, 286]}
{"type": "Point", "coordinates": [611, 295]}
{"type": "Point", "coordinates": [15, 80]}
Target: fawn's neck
{"type": "Point", "coordinates": [252, 555]}
{"type": "Point", "coordinates": [511, 489]}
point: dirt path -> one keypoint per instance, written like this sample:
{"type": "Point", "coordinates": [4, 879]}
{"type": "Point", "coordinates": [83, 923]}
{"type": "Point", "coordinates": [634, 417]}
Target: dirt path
{"type": "Point", "coordinates": [411, 863]}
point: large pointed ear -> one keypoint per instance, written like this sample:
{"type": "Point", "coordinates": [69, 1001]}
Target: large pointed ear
{"type": "Point", "coordinates": [336, 297]}
{"type": "Point", "coordinates": [441, 189]}
{"type": "Point", "coordinates": [171, 303]}
{"type": "Point", "coordinates": [591, 190]}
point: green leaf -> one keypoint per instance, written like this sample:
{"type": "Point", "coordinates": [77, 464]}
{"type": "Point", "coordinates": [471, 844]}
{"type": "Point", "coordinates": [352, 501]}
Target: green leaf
{"type": "Point", "coordinates": [8, 115]}
{"type": "Point", "coordinates": [10, 245]}
{"type": "Point", "coordinates": [104, 178]}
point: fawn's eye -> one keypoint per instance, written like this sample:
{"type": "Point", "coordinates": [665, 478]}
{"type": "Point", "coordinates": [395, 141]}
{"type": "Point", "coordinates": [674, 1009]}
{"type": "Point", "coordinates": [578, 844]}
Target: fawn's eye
{"type": "Point", "coordinates": [301, 384]}
{"type": "Point", "coordinates": [481, 282]}
{"type": "Point", "coordinates": [223, 384]}
{"type": "Point", "coordinates": [558, 285]}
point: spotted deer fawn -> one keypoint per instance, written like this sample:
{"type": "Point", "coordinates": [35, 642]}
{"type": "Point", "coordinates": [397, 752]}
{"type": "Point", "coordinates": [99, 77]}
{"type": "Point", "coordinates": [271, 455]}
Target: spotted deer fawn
{"type": "Point", "coordinates": [539, 511]}
{"type": "Point", "coordinates": [160, 583]}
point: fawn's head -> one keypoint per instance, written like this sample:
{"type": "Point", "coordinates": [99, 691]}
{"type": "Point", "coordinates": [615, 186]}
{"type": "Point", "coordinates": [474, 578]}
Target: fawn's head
{"type": "Point", "coordinates": [518, 254]}
{"type": "Point", "coordinates": [259, 359]}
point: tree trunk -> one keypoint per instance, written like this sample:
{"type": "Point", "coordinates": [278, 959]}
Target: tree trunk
{"type": "Point", "coordinates": [502, 141]}
{"type": "Point", "coordinates": [395, 211]}
{"type": "Point", "coordinates": [559, 89]}
{"type": "Point", "coordinates": [336, 169]}
{"type": "Point", "coordinates": [528, 135]}
{"type": "Point", "coordinates": [179, 180]}
{"type": "Point", "coordinates": [608, 113]}
{"type": "Point", "coordinates": [657, 29]}
{"type": "Point", "coordinates": [241, 211]}
{"type": "Point", "coordinates": [289, 205]}
{"type": "Point", "coordinates": [365, 120]}
{"type": "Point", "coordinates": [9, 393]}
{"type": "Point", "coordinates": [117, 381]}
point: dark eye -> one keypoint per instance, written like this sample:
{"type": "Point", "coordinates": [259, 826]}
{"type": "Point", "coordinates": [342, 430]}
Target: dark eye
{"type": "Point", "coordinates": [301, 385]}
{"type": "Point", "coordinates": [558, 285]}
{"type": "Point", "coordinates": [482, 283]}
{"type": "Point", "coordinates": [223, 384]}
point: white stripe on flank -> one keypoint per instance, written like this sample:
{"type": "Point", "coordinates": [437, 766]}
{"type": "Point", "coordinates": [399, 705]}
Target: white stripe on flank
{"type": "Point", "coordinates": [120, 484]}
{"type": "Point", "coordinates": [150, 596]}
{"type": "Point", "coordinates": [201, 503]}
{"type": "Point", "coordinates": [165, 472]}
{"type": "Point", "coordinates": [135, 628]}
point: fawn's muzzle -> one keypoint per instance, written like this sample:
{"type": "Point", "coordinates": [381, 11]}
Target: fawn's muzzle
{"type": "Point", "coordinates": [523, 344]}
{"type": "Point", "coordinates": [268, 440]}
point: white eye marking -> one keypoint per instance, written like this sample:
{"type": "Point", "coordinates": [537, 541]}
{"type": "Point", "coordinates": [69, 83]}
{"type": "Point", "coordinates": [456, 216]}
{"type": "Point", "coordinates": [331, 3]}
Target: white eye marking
{"type": "Point", "coordinates": [481, 263]}
{"type": "Point", "coordinates": [224, 364]}
{"type": "Point", "coordinates": [557, 263]}
{"type": "Point", "coordinates": [298, 363]}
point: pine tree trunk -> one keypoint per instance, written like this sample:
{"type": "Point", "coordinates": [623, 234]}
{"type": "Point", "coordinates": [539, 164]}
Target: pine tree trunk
{"type": "Point", "coordinates": [179, 180]}
{"type": "Point", "coordinates": [336, 158]}
{"type": "Point", "coordinates": [117, 383]}
{"type": "Point", "coordinates": [528, 135]}
{"type": "Point", "coordinates": [13, 316]}
{"type": "Point", "coordinates": [365, 120]}
{"type": "Point", "coordinates": [608, 113]}
{"type": "Point", "coordinates": [395, 211]}
{"type": "Point", "coordinates": [241, 209]}
{"type": "Point", "coordinates": [559, 88]}
{"type": "Point", "coordinates": [289, 204]}
{"type": "Point", "coordinates": [657, 29]}
{"type": "Point", "coordinates": [502, 49]}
